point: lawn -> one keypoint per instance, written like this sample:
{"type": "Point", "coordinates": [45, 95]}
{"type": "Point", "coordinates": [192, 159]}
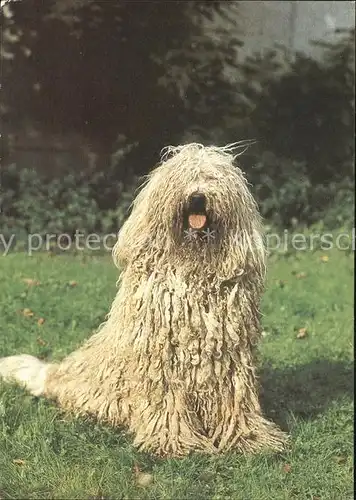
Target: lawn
{"type": "Point", "coordinates": [50, 303]}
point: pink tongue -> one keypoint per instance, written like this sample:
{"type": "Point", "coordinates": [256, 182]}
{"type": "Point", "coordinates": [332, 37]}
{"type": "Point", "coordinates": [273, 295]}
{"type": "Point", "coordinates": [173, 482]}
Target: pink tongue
{"type": "Point", "coordinates": [196, 221]}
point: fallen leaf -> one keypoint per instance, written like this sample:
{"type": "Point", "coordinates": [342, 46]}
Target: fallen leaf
{"type": "Point", "coordinates": [300, 275]}
{"type": "Point", "coordinates": [206, 477]}
{"type": "Point", "coordinates": [144, 479]}
{"type": "Point", "coordinates": [98, 496]}
{"type": "Point", "coordinates": [72, 283]}
{"type": "Point", "coordinates": [41, 341]}
{"type": "Point", "coordinates": [27, 312]}
{"type": "Point", "coordinates": [31, 282]}
{"type": "Point", "coordinates": [302, 333]}
{"type": "Point", "coordinates": [40, 321]}
{"type": "Point", "coordinates": [324, 258]}
{"type": "Point", "coordinates": [287, 468]}
{"type": "Point", "coordinates": [18, 461]}
{"type": "Point", "coordinates": [136, 469]}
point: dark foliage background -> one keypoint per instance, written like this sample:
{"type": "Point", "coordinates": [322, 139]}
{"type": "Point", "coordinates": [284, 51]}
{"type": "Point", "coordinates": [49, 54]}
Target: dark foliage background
{"type": "Point", "coordinates": [132, 77]}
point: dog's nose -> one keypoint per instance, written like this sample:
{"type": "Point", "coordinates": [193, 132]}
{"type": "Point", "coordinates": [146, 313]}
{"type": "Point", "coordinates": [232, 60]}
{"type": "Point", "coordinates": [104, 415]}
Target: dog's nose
{"type": "Point", "coordinates": [197, 203]}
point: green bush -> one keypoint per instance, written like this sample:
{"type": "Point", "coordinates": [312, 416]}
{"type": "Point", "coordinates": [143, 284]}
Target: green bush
{"type": "Point", "coordinates": [287, 196]}
{"type": "Point", "coordinates": [32, 204]}
{"type": "Point", "coordinates": [303, 108]}
{"type": "Point", "coordinates": [300, 109]}
{"type": "Point", "coordinates": [282, 188]}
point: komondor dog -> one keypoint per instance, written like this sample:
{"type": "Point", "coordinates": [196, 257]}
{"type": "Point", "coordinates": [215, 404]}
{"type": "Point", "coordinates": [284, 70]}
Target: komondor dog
{"type": "Point", "coordinates": [174, 362]}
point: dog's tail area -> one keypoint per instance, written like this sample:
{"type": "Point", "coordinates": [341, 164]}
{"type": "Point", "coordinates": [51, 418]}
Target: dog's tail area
{"type": "Point", "coordinates": [25, 370]}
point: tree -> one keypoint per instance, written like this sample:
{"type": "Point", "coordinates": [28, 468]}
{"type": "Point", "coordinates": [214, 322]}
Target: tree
{"type": "Point", "coordinates": [149, 71]}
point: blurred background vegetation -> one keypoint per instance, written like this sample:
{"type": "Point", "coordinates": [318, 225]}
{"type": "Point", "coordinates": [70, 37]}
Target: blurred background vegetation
{"type": "Point", "coordinates": [93, 90]}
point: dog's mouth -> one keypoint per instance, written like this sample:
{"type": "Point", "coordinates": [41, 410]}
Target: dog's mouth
{"type": "Point", "coordinates": [199, 226]}
{"type": "Point", "coordinates": [196, 215]}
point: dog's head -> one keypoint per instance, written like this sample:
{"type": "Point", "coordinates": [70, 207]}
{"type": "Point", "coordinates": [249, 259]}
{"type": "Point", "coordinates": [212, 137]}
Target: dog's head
{"type": "Point", "coordinates": [195, 209]}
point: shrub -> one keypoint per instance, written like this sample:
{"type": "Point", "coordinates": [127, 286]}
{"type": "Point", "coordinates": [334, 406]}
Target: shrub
{"type": "Point", "coordinates": [306, 112]}
{"type": "Point", "coordinates": [282, 187]}
{"type": "Point", "coordinates": [287, 196]}
{"type": "Point", "coordinates": [32, 204]}
{"type": "Point", "coordinates": [301, 111]}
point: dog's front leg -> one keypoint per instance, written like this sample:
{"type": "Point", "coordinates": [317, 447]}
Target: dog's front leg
{"type": "Point", "coordinates": [169, 427]}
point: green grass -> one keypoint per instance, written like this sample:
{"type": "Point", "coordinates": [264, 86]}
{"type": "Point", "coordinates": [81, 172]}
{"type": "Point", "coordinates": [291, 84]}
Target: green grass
{"type": "Point", "coordinates": [307, 389]}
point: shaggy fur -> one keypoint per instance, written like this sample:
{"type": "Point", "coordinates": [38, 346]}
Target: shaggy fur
{"type": "Point", "coordinates": [174, 361]}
